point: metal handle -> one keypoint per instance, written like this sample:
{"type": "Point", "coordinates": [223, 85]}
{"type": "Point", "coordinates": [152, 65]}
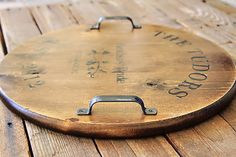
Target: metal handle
{"type": "Point", "coordinates": [116, 98]}
{"type": "Point", "coordinates": [98, 24]}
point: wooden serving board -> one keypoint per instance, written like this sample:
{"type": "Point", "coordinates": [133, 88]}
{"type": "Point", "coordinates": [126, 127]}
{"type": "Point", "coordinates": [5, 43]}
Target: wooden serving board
{"type": "Point", "coordinates": [48, 79]}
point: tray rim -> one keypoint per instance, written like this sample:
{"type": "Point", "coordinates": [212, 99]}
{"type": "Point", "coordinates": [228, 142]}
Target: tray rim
{"type": "Point", "coordinates": [135, 130]}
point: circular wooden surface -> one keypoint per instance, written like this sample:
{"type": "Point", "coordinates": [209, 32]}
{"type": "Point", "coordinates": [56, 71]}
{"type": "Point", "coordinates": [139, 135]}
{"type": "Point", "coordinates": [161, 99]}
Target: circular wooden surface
{"type": "Point", "coordinates": [186, 78]}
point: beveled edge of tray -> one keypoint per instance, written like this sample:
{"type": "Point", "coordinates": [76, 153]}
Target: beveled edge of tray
{"type": "Point", "coordinates": [121, 130]}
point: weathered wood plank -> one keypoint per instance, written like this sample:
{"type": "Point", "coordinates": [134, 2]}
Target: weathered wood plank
{"type": "Point", "coordinates": [229, 113]}
{"type": "Point", "coordinates": [154, 146]}
{"type": "Point", "coordinates": [13, 137]}
{"type": "Point", "coordinates": [115, 148]}
{"type": "Point", "coordinates": [228, 30]}
{"type": "Point", "coordinates": [12, 134]}
{"type": "Point", "coordinates": [224, 35]}
{"type": "Point", "coordinates": [113, 8]}
{"type": "Point", "coordinates": [202, 133]}
{"type": "Point", "coordinates": [161, 147]}
{"type": "Point", "coordinates": [15, 25]}
{"type": "Point", "coordinates": [221, 5]}
{"type": "Point", "coordinates": [50, 18]}
{"type": "Point", "coordinates": [49, 143]}
{"type": "Point", "coordinates": [211, 16]}
{"type": "Point", "coordinates": [196, 135]}
{"type": "Point", "coordinates": [43, 142]}
{"type": "Point", "coordinates": [202, 137]}
{"type": "Point", "coordinates": [214, 136]}
{"type": "Point", "coordinates": [84, 11]}
{"type": "Point", "coordinates": [144, 14]}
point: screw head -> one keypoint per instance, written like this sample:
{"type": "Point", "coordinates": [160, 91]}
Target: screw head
{"type": "Point", "coordinates": [82, 111]}
{"type": "Point", "coordinates": [150, 111]}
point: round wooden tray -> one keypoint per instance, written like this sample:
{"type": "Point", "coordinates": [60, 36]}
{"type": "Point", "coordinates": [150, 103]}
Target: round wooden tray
{"type": "Point", "coordinates": [117, 80]}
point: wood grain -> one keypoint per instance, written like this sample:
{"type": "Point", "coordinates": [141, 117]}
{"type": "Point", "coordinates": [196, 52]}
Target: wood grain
{"type": "Point", "coordinates": [48, 143]}
{"type": "Point", "coordinates": [59, 144]}
{"type": "Point", "coordinates": [215, 137]}
{"type": "Point", "coordinates": [198, 147]}
{"type": "Point", "coordinates": [13, 136]}
{"type": "Point", "coordinates": [12, 133]}
{"type": "Point", "coordinates": [47, 20]}
{"type": "Point", "coordinates": [84, 11]}
{"type": "Point", "coordinates": [71, 78]}
{"type": "Point", "coordinates": [195, 147]}
{"type": "Point", "coordinates": [215, 79]}
{"type": "Point", "coordinates": [225, 36]}
{"type": "Point", "coordinates": [50, 18]}
{"type": "Point", "coordinates": [157, 146]}
{"type": "Point", "coordinates": [15, 34]}
{"type": "Point", "coordinates": [230, 113]}
{"type": "Point", "coordinates": [208, 29]}
{"type": "Point", "coordinates": [199, 28]}
{"type": "Point", "coordinates": [223, 6]}
{"type": "Point", "coordinates": [152, 147]}
{"type": "Point", "coordinates": [121, 147]}
{"type": "Point", "coordinates": [115, 147]}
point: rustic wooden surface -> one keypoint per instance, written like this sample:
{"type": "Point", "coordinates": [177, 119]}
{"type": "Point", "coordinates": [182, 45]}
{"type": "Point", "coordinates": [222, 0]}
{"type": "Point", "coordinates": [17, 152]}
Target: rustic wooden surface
{"type": "Point", "coordinates": [75, 85]}
{"type": "Point", "coordinates": [213, 20]}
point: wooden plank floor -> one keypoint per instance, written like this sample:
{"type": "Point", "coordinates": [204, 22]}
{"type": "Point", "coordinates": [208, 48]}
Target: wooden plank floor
{"type": "Point", "coordinates": [212, 19]}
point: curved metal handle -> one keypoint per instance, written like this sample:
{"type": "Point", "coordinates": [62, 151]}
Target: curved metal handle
{"type": "Point", "coordinates": [98, 24]}
{"type": "Point", "coordinates": [116, 98]}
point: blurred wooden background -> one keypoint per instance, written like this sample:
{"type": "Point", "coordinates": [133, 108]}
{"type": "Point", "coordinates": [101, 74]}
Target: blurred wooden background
{"type": "Point", "coordinates": [214, 20]}
{"type": "Point", "coordinates": [23, 3]}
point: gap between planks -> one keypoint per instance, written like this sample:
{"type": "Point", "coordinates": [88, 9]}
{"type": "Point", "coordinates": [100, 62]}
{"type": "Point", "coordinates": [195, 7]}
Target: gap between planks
{"type": "Point", "coordinates": [173, 133]}
{"type": "Point", "coordinates": [58, 144]}
{"type": "Point", "coordinates": [42, 25]}
{"type": "Point", "coordinates": [46, 19]}
{"type": "Point", "coordinates": [12, 132]}
{"type": "Point", "coordinates": [80, 10]}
